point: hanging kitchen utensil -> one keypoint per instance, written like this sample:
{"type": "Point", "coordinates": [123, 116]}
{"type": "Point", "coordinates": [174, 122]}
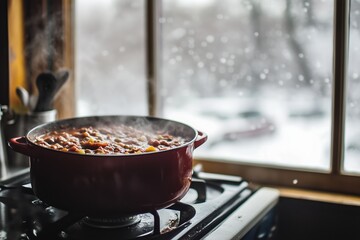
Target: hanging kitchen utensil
{"type": "Point", "coordinates": [46, 84]}
{"type": "Point", "coordinates": [61, 76]}
{"type": "Point", "coordinates": [24, 97]}
{"type": "Point", "coordinates": [49, 85]}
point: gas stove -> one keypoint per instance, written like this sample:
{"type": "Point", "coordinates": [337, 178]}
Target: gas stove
{"type": "Point", "coordinates": [215, 207]}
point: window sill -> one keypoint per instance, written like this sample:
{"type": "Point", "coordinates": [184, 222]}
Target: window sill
{"type": "Point", "coordinates": [299, 180]}
{"type": "Point", "coordinates": [319, 196]}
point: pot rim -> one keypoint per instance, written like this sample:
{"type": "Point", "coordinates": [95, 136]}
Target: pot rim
{"type": "Point", "coordinates": [198, 136]}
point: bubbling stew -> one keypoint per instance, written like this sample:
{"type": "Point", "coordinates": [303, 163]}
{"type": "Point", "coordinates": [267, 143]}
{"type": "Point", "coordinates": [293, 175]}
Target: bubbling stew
{"type": "Point", "coordinates": [116, 139]}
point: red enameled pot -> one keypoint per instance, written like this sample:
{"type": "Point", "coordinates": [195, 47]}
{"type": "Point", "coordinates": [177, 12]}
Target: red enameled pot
{"type": "Point", "coordinates": [110, 185]}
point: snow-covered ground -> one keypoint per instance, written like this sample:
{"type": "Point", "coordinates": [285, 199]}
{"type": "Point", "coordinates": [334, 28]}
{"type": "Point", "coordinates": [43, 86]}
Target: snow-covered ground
{"type": "Point", "coordinates": [277, 132]}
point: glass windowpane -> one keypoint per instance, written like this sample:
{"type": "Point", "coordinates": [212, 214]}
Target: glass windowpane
{"type": "Point", "coordinates": [110, 57]}
{"type": "Point", "coordinates": [255, 75]}
{"type": "Point", "coordinates": [352, 124]}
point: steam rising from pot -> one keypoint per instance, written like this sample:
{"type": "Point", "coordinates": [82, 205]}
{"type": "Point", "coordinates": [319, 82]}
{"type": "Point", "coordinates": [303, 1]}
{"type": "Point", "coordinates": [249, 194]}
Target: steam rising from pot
{"type": "Point", "coordinates": [44, 40]}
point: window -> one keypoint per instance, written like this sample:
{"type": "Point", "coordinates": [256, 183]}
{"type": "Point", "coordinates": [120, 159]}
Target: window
{"type": "Point", "coordinates": [110, 57]}
{"type": "Point", "coordinates": [352, 145]}
{"type": "Point", "coordinates": [265, 81]}
{"type": "Point", "coordinates": [254, 75]}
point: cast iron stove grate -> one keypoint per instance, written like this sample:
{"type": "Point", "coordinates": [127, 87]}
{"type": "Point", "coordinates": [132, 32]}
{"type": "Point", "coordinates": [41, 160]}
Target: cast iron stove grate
{"type": "Point", "coordinates": [24, 216]}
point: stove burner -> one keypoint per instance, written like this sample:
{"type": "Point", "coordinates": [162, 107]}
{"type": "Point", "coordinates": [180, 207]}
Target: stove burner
{"type": "Point", "coordinates": [203, 208]}
{"type": "Point", "coordinates": [111, 223]}
{"type": "Point", "coordinates": [159, 224]}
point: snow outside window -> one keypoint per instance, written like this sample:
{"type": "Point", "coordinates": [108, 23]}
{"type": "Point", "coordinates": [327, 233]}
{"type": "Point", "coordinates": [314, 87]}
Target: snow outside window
{"type": "Point", "coordinates": [256, 76]}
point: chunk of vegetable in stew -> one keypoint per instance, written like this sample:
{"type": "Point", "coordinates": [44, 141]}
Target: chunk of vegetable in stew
{"type": "Point", "coordinates": [119, 139]}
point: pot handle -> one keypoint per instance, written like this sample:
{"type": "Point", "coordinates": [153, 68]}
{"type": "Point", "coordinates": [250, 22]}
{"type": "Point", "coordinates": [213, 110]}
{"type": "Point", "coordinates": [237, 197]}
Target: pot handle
{"type": "Point", "coordinates": [20, 145]}
{"type": "Point", "coordinates": [201, 139]}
